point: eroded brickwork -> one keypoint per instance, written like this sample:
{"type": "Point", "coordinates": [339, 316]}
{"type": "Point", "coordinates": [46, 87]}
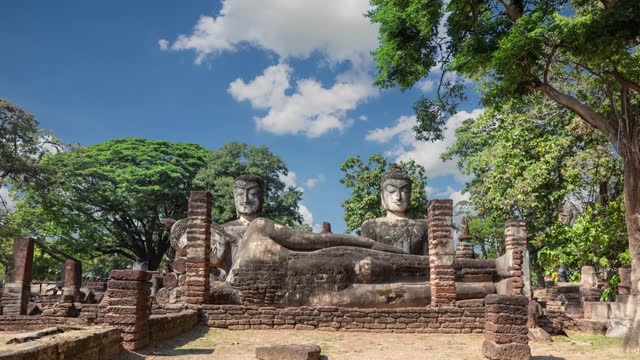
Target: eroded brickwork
{"type": "Point", "coordinates": [505, 329]}
{"type": "Point", "coordinates": [129, 306]}
{"type": "Point", "coordinates": [444, 320]}
{"type": "Point", "coordinates": [441, 253]}
{"type": "Point", "coordinates": [196, 289]}
{"type": "Point", "coordinates": [15, 295]}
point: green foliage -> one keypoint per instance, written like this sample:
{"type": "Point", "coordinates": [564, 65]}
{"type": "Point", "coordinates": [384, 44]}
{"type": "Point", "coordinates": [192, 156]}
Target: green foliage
{"type": "Point", "coordinates": [234, 159]}
{"type": "Point", "coordinates": [111, 198]}
{"type": "Point", "coordinates": [363, 180]}
{"type": "Point", "coordinates": [22, 147]}
{"type": "Point", "coordinates": [598, 238]}
{"type": "Point", "coordinates": [527, 158]}
{"type": "Point", "coordinates": [487, 234]}
{"type": "Point", "coordinates": [582, 48]}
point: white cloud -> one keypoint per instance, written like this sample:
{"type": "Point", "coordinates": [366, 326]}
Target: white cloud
{"type": "Point", "coordinates": [426, 85]}
{"type": "Point", "coordinates": [403, 126]}
{"type": "Point", "coordinates": [290, 28]}
{"type": "Point", "coordinates": [424, 153]}
{"type": "Point", "coordinates": [6, 200]}
{"type": "Point", "coordinates": [312, 109]}
{"type": "Point", "coordinates": [307, 216]}
{"type": "Point", "coordinates": [312, 182]}
{"type": "Point", "coordinates": [164, 44]}
{"type": "Point", "coordinates": [291, 179]}
{"type": "Point", "coordinates": [363, 118]}
{"type": "Point", "coordinates": [458, 196]}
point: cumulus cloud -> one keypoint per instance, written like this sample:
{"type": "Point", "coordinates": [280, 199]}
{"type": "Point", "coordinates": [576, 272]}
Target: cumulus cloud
{"type": "Point", "coordinates": [312, 182]}
{"type": "Point", "coordinates": [363, 117]}
{"type": "Point", "coordinates": [291, 179]}
{"type": "Point", "coordinates": [164, 44]}
{"type": "Point", "coordinates": [307, 216]}
{"type": "Point", "coordinates": [427, 154]}
{"type": "Point", "coordinates": [426, 85]}
{"type": "Point", "coordinates": [290, 28]}
{"type": "Point", "coordinates": [312, 109]}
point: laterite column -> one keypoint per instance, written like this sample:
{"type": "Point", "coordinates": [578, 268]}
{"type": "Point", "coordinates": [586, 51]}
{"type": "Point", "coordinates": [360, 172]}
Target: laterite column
{"type": "Point", "coordinates": [515, 241]}
{"type": "Point", "coordinates": [441, 253]}
{"type": "Point", "coordinates": [505, 328]}
{"type": "Point", "coordinates": [129, 306]}
{"type": "Point", "coordinates": [198, 247]}
{"type": "Point", "coordinates": [15, 296]}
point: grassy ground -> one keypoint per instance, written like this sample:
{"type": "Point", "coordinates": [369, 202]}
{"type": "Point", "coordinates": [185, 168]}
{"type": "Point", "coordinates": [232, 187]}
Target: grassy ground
{"type": "Point", "coordinates": [200, 343]}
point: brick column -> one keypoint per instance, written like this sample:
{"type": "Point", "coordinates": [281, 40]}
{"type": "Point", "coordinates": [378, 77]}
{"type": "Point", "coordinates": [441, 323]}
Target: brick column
{"type": "Point", "coordinates": [15, 296]}
{"type": "Point", "coordinates": [441, 252]}
{"type": "Point", "coordinates": [624, 287]}
{"type": "Point", "coordinates": [513, 266]}
{"type": "Point", "coordinates": [72, 280]}
{"type": "Point", "coordinates": [198, 248]}
{"type": "Point", "coordinates": [505, 328]}
{"type": "Point", "coordinates": [129, 306]}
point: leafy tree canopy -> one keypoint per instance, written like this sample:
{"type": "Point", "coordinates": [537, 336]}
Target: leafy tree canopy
{"type": "Point", "coordinates": [111, 198]}
{"type": "Point", "coordinates": [234, 159]}
{"type": "Point", "coordinates": [363, 180]}
{"type": "Point", "coordinates": [22, 146]}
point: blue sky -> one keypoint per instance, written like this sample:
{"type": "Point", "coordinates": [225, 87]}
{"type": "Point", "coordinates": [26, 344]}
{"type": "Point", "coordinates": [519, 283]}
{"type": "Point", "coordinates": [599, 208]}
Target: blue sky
{"type": "Point", "coordinates": [296, 78]}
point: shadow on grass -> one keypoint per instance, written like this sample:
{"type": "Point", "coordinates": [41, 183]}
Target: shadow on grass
{"type": "Point", "coordinates": [171, 347]}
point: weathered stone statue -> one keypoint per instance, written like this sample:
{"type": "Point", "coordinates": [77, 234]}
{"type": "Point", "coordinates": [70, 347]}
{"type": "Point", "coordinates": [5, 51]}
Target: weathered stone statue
{"type": "Point", "coordinates": [396, 228]}
{"type": "Point", "coordinates": [465, 248]}
{"type": "Point", "coordinates": [248, 194]}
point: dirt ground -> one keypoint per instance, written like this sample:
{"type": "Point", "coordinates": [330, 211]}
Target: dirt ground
{"type": "Point", "coordinates": [201, 343]}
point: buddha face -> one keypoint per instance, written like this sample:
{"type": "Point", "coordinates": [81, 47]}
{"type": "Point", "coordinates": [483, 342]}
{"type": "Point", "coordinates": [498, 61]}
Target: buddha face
{"type": "Point", "coordinates": [247, 196]}
{"type": "Point", "coordinates": [396, 194]}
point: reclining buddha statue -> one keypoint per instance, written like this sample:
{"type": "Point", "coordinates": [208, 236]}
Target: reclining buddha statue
{"type": "Point", "coordinates": [267, 263]}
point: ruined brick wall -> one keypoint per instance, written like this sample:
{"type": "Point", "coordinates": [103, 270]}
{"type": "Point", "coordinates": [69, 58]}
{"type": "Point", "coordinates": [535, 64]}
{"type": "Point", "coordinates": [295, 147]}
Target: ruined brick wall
{"type": "Point", "coordinates": [260, 283]}
{"type": "Point", "coordinates": [444, 320]}
{"type": "Point", "coordinates": [26, 322]}
{"type": "Point", "coordinates": [166, 326]}
{"type": "Point", "coordinates": [95, 344]}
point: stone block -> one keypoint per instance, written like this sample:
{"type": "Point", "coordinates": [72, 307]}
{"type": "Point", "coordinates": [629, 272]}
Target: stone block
{"type": "Point", "coordinates": [130, 275]}
{"type": "Point", "coordinates": [289, 352]}
{"type": "Point", "coordinates": [506, 300]}
{"type": "Point", "coordinates": [513, 351]}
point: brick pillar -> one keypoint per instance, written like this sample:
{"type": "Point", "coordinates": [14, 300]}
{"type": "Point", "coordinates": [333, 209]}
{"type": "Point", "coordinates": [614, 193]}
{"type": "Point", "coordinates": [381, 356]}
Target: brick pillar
{"type": "Point", "coordinates": [513, 266]}
{"type": "Point", "coordinates": [624, 287]}
{"type": "Point", "coordinates": [441, 253]}
{"type": "Point", "coordinates": [505, 328]}
{"type": "Point", "coordinates": [72, 280]}
{"type": "Point", "coordinates": [198, 247]}
{"type": "Point", "coordinates": [129, 306]}
{"type": "Point", "coordinates": [15, 296]}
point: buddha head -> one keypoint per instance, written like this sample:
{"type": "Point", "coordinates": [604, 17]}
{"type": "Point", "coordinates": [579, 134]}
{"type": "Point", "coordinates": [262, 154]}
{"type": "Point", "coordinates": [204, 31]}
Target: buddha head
{"type": "Point", "coordinates": [248, 195]}
{"type": "Point", "coordinates": [395, 191]}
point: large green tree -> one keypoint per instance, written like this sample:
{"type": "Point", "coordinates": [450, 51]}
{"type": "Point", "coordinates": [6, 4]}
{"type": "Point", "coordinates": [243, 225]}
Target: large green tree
{"type": "Point", "coordinates": [582, 55]}
{"type": "Point", "coordinates": [22, 146]}
{"type": "Point", "coordinates": [234, 159]}
{"type": "Point", "coordinates": [111, 198]}
{"type": "Point", "coordinates": [530, 158]}
{"type": "Point", "coordinates": [363, 181]}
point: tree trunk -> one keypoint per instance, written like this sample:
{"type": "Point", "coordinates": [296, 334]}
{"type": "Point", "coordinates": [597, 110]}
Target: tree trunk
{"type": "Point", "coordinates": [632, 218]}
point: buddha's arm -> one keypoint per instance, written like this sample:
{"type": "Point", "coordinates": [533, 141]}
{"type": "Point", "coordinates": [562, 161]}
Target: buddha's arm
{"type": "Point", "coordinates": [220, 247]}
{"type": "Point", "coordinates": [296, 240]}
